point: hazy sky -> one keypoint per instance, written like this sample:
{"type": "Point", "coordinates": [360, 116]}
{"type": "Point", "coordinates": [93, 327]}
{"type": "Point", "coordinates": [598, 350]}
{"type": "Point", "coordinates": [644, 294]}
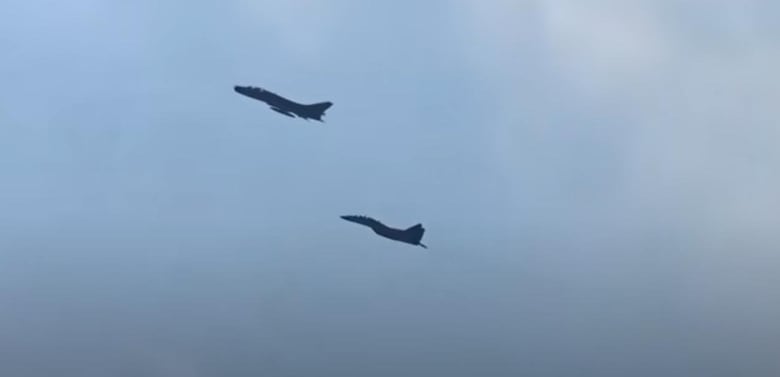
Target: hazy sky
{"type": "Point", "coordinates": [598, 180]}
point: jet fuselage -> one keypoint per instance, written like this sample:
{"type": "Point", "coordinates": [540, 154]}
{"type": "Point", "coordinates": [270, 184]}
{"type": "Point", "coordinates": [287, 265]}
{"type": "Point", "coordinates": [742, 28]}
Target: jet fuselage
{"type": "Point", "coordinates": [283, 105]}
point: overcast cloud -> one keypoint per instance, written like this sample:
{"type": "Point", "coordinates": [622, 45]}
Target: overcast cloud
{"type": "Point", "coordinates": [598, 181]}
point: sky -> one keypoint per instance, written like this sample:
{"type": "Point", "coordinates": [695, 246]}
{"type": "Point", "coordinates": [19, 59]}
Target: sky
{"type": "Point", "coordinates": [598, 180]}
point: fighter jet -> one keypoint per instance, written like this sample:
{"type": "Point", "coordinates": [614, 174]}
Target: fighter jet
{"type": "Point", "coordinates": [411, 235]}
{"type": "Point", "coordinates": [284, 106]}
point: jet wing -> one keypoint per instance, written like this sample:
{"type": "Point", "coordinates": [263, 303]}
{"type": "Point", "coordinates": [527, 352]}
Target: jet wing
{"type": "Point", "coordinates": [280, 111]}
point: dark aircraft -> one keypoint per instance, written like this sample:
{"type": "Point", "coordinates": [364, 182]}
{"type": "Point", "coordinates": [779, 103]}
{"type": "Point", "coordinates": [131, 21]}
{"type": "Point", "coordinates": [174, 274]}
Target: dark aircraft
{"type": "Point", "coordinates": [412, 235]}
{"type": "Point", "coordinates": [283, 105]}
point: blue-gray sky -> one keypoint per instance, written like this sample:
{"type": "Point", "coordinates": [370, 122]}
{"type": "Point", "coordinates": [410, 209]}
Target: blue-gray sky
{"type": "Point", "coordinates": [598, 180]}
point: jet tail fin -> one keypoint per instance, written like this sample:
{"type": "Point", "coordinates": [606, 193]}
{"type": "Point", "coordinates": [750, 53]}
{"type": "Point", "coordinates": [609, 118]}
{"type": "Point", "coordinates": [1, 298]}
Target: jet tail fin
{"type": "Point", "coordinates": [318, 109]}
{"type": "Point", "coordinates": [416, 226]}
{"type": "Point", "coordinates": [416, 232]}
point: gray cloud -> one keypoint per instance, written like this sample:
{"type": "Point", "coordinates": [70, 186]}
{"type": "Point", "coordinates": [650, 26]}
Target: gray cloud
{"type": "Point", "coordinates": [597, 183]}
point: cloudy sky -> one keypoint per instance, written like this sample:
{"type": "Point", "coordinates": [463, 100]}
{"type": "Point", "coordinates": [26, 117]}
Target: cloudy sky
{"type": "Point", "coordinates": [598, 179]}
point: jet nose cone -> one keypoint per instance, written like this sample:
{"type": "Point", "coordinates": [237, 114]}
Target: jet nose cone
{"type": "Point", "coordinates": [237, 88]}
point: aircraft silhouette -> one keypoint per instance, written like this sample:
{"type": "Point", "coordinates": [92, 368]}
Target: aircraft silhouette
{"type": "Point", "coordinates": [411, 235]}
{"type": "Point", "coordinates": [283, 105]}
